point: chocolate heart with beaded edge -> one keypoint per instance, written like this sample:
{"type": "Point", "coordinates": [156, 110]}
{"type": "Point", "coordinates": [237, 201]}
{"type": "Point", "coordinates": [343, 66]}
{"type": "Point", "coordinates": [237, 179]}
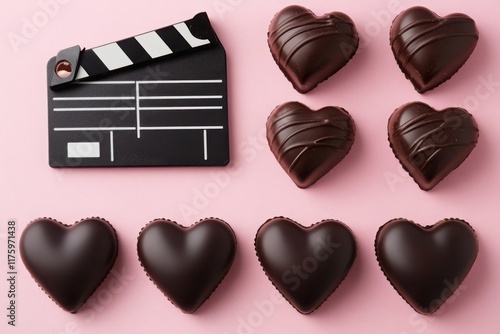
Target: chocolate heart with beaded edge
{"type": "Point", "coordinates": [426, 265]}
{"type": "Point", "coordinates": [187, 263]}
{"type": "Point", "coordinates": [430, 144]}
{"type": "Point", "coordinates": [308, 48]}
{"type": "Point", "coordinates": [307, 143]}
{"type": "Point", "coordinates": [430, 49]}
{"type": "Point", "coordinates": [305, 264]}
{"type": "Point", "coordinates": [69, 262]}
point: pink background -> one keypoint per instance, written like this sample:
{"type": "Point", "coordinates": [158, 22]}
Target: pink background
{"type": "Point", "coordinates": [366, 190]}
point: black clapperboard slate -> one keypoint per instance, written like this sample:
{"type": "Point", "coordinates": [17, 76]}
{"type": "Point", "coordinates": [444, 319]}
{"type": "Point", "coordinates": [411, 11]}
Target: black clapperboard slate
{"type": "Point", "coordinates": [156, 99]}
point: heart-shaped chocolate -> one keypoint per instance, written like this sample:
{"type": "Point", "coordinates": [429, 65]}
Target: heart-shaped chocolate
{"type": "Point", "coordinates": [307, 143]}
{"type": "Point", "coordinates": [69, 262]}
{"type": "Point", "coordinates": [430, 144]}
{"type": "Point", "coordinates": [426, 265]}
{"type": "Point", "coordinates": [430, 49]}
{"type": "Point", "coordinates": [305, 264]}
{"type": "Point", "coordinates": [187, 263]}
{"type": "Point", "coordinates": [309, 49]}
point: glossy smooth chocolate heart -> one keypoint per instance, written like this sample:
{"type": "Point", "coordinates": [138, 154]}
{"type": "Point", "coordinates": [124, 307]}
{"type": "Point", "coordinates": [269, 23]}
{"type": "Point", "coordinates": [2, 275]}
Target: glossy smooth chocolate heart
{"type": "Point", "coordinates": [426, 265]}
{"type": "Point", "coordinates": [307, 143]}
{"type": "Point", "coordinates": [430, 144]}
{"type": "Point", "coordinates": [309, 49]}
{"type": "Point", "coordinates": [69, 262]}
{"type": "Point", "coordinates": [305, 264]}
{"type": "Point", "coordinates": [430, 49]}
{"type": "Point", "coordinates": [187, 263]}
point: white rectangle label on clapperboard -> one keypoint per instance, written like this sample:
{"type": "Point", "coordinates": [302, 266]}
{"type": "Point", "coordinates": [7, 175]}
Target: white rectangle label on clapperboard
{"type": "Point", "coordinates": [84, 150]}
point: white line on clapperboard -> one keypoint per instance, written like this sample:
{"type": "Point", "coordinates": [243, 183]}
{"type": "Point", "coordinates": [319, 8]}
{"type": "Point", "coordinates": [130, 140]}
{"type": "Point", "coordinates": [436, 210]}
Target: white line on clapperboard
{"type": "Point", "coordinates": [138, 108]}
{"type": "Point", "coordinates": [138, 98]}
{"type": "Point", "coordinates": [112, 144]}
{"type": "Point", "coordinates": [111, 98]}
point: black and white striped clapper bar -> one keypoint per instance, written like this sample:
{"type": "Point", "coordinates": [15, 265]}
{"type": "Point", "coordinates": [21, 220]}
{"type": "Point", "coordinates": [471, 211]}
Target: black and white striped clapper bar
{"type": "Point", "coordinates": [156, 99]}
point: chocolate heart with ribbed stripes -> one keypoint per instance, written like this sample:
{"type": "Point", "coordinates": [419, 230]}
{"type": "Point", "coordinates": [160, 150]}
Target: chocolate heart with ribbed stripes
{"type": "Point", "coordinates": [430, 49]}
{"type": "Point", "coordinates": [307, 143]}
{"type": "Point", "coordinates": [309, 49]}
{"type": "Point", "coordinates": [430, 144]}
{"type": "Point", "coordinates": [69, 262]}
{"type": "Point", "coordinates": [426, 265]}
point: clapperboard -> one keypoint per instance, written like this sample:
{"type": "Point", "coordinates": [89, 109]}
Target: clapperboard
{"type": "Point", "coordinates": [156, 99]}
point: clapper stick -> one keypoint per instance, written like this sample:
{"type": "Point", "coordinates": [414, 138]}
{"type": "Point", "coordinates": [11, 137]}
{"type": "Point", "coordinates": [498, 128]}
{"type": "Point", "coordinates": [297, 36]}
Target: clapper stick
{"type": "Point", "coordinates": [155, 99]}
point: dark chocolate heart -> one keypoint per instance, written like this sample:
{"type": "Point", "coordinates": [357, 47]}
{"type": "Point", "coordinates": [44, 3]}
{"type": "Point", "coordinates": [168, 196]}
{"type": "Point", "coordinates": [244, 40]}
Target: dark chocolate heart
{"type": "Point", "coordinates": [305, 264]}
{"type": "Point", "coordinates": [430, 49]}
{"type": "Point", "coordinates": [309, 49]}
{"type": "Point", "coordinates": [187, 263]}
{"type": "Point", "coordinates": [426, 265]}
{"type": "Point", "coordinates": [308, 144]}
{"type": "Point", "coordinates": [430, 144]}
{"type": "Point", "coordinates": [69, 262]}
